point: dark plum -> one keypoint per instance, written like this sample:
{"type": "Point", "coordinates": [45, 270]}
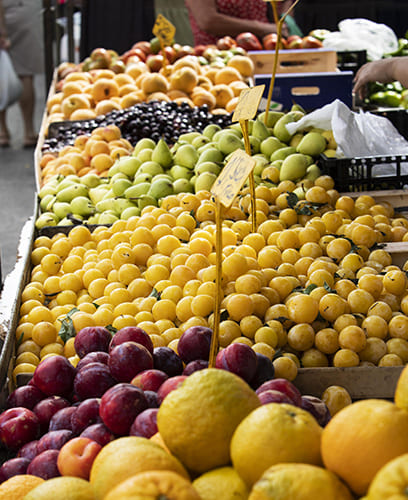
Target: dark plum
{"type": "Point", "coordinates": [53, 440]}
{"type": "Point", "coordinates": [132, 334]}
{"type": "Point", "coordinates": [93, 380]}
{"type": "Point", "coordinates": [264, 370]}
{"type": "Point", "coordinates": [62, 419]}
{"type": "Point", "coordinates": [18, 426]}
{"type": "Point", "coordinates": [193, 366]}
{"type": "Point", "coordinates": [91, 339]}
{"type": "Point", "coordinates": [239, 359]}
{"type": "Point", "coordinates": [27, 396]}
{"type": "Point", "coordinates": [45, 465]}
{"type": "Point", "coordinates": [87, 413]}
{"type": "Point", "coordinates": [93, 357]}
{"type": "Point", "coordinates": [99, 433]}
{"type": "Point", "coordinates": [317, 408]}
{"type": "Point", "coordinates": [195, 343]}
{"type": "Point", "coordinates": [13, 467]}
{"type": "Point", "coordinates": [54, 376]}
{"type": "Point", "coordinates": [128, 359]}
{"type": "Point", "coordinates": [145, 424]}
{"type": "Point", "coordinates": [47, 407]}
{"type": "Point", "coordinates": [149, 380]}
{"type": "Point", "coordinates": [285, 386]}
{"type": "Point", "coordinates": [166, 360]}
{"type": "Point", "coordinates": [169, 385]}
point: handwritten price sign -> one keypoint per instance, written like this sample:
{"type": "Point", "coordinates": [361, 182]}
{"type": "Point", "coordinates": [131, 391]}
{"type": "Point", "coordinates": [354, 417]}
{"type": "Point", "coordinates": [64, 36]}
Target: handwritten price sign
{"type": "Point", "coordinates": [164, 30]}
{"type": "Point", "coordinates": [248, 103]}
{"type": "Point", "coordinates": [232, 177]}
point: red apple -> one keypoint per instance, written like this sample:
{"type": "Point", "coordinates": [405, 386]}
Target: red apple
{"type": "Point", "coordinates": [225, 43]}
{"type": "Point", "coordinates": [18, 426]}
{"type": "Point", "coordinates": [248, 41]}
{"type": "Point", "coordinates": [294, 42]}
{"type": "Point", "coordinates": [270, 41]}
{"type": "Point", "coordinates": [310, 42]}
{"type": "Point", "coordinates": [143, 45]}
{"type": "Point", "coordinates": [199, 50]}
{"type": "Point", "coordinates": [77, 456]}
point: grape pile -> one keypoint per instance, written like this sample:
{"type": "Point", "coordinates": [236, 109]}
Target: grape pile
{"type": "Point", "coordinates": [154, 119]}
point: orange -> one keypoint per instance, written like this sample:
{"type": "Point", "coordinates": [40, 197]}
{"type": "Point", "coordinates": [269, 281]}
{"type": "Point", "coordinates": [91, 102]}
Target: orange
{"type": "Point", "coordinates": [153, 485]}
{"type": "Point", "coordinates": [300, 481]}
{"type": "Point", "coordinates": [125, 457]}
{"type": "Point", "coordinates": [18, 486]}
{"type": "Point", "coordinates": [401, 390]}
{"type": "Point", "coordinates": [198, 419]}
{"type": "Point", "coordinates": [361, 438]}
{"type": "Point", "coordinates": [271, 434]}
{"type": "Point", "coordinates": [391, 481]}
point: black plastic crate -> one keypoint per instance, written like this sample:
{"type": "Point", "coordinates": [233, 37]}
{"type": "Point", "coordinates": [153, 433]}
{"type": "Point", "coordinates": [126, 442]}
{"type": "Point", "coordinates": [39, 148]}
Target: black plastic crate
{"type": "Point", "coordinates": [359, 174]}
{"type": "Point", "coordinates": [351, 60]}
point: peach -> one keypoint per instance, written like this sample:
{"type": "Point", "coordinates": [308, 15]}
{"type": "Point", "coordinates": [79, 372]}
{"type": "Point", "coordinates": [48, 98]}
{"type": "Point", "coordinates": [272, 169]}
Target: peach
{"type": "Point", "coordinates": [237, 87]}
{"type": "Point", "coordinates": [76, 457]}
{"type": "Point", "coordinates": [129, 100]}
{"type": "Point", "coordinates": [158, 96]}
{"type": "Point", "coordinates": [102, 73]}
{"type": "Point", "coordinates": [101, 162]}
{"type": "Point", "coordinates": [180, 100]}
{"type": "Point", "coordinates": [190, 61]}
{"type": "Point", "coordinates": [55, 99]}
{"type": "Point", "coordinates": [136, 69]}
{"type": "Point", "coordinates": [111, 133]}
{"type": "Point", "coordinates": [127, 89]}
{"type": "Point", "coordinates": [222, 93]}
{"type": "Point", "coordinates": [184, 79]}
{"type": "Point", "coordinates": [65, 169]}
{"type": "Point", "coordinates": [243, 64]}
{"type": "Point", "coordinates": [76, 160]}
{"type": "Point", "coordinates": [174, 94]}
{"type": "Point", "coordinates": [201, 96]}
{"type": "Point", "coordinates": [98, 147]}
{"type": "Point", "coordinates": [78, 75]}
{"type": "Point", "coordinates": [154, 82]}
{"type": "Point", "coordinates": [80, 141]}
{"type": "Point", "coordinates": [83, 114]}
{"type": "Point", "coordinates": [204, 82]}
{"type": "Point", "coordinates": [104, 88]}
{"type": "Point", "coordinates": [227, 75]}
{"type": "Point", "coordinates": [73, 102]}
{"type": "Point", "coordinates": [106, 106]}
{"type": "Point", "coordinates": [70, 88]}
{"type": "Point", "coordinates": [124, 79]}
{"type": "Point", "coordinates": [231, 104]}
{"type": "Point", "coordinates": [118, 152]}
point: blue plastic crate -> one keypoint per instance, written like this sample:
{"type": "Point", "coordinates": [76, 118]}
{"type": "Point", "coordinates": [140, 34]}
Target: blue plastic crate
{"type": "Point", "coordinates": [309, 90]}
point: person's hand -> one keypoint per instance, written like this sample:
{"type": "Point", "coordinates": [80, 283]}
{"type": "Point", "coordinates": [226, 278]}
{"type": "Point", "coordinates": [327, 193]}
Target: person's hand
{"type": "Point", "coordinates": [375, 71]}
{"type": "Point", "coordinates": [4, 42]}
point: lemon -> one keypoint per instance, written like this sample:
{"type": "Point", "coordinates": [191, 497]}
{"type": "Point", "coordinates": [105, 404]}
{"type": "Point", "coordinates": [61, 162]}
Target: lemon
{"type": "Point", "coordinates": [401, 390]}
{"type": "Point", "coordinates": [68, 488]}
{"type": "Point", "coordinates": [391, 480]}
{"type": "Point", "coordinates": [125, 457]}
{"type": "Point", "coordinates": [222, 483]}
{"type": "Point", "coordinates": [300, 481]}
{"type": "Point", "coordinates": [16, 487]}
{"type": "Point", "coordinates": [153, 485]}
{"type": "Point", "coordinates": [198, 419]}
{"type": "Point", "coordinates": [274, 433]}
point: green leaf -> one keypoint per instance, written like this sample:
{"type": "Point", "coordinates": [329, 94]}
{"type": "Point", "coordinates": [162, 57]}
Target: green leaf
{"type": "Point", "coordinates": [310, 288]}
{"type": "Point", "coordinates": [19, 340]}
{"type": "Point", "coordinates": [292, 199]}
{"type": "Point", "coordinates": [224, 315]}
{"type": "Point", "coordinates": [67, 330]}
{"type": "Point", "coordinates": [327, 287]}
{"type": "Point", "coordinates": [155, 293]}
{"type": "Point", "coordinates": [111, 329]}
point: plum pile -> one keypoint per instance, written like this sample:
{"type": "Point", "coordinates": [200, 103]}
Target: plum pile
{"type": "Point", "coordinates": [154, 119]}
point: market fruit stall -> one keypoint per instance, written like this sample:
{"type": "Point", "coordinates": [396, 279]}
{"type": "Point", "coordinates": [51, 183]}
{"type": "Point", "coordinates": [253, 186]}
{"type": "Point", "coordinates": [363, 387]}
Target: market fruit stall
{"type": "Point", "coordinates": [108, 320]}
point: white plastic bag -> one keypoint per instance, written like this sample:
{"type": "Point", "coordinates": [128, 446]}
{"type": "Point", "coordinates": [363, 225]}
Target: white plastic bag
{"type": "Point", "coordinates": [10, 84]}
{"type": "Point", "coordinates": [362, 34]}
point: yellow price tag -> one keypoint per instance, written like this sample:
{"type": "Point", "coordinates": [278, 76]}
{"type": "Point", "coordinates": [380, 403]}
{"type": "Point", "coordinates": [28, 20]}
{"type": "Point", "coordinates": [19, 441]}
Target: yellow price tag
{"type": "Point", "coordinates": [164, 30]}
{"type": "Point", "coordinates": [230, 181]}
{"type": "Point", "coordinates": [248, 103]}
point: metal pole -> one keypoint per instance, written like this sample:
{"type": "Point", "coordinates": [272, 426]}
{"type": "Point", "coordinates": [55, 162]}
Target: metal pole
{"type": "Point", "coordinates": [48, 41]}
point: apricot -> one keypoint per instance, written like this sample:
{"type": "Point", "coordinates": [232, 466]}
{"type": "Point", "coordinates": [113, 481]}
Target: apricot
{"type": "Point", "coordinates": [201, 96]}
{"type": "Point", "coordinates": [136, 69]}
{"type": "Point", "coordinates": [237, 87]}
{"type": "Point", "coordinates": [184, 79]}
{"type": "Point", "coordinates": [154, 82]}
{"type": "Point", "coordinates": [129, 100]}
{"type": "Point", "coordinates": [104, 88]}
{"type": "Point", "coordinates": [106, 106]}
{"type": "Point", "coordinates": [83, 114]}
{"type": "Point", "coordinates": [127, 89]}
{"type": "Point", "coordinates": [227, 75]}
{"type": "Point", "coordinates": [243, 64]}
{"type": "Point", "coordinates": [222, 93]}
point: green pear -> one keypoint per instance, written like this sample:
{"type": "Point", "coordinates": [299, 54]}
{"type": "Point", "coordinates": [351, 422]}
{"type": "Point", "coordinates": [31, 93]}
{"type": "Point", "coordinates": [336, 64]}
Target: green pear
{"type": "Point", "coordinates": [109, 194]}
{"type": "Point", "coordinates": [207, 166]}
{"type": "Point", "coordinates": [255, 144]}
{"type": "Point", "coordinates": [160, 188]}
{"type": "Point", "coordinates": [186, 156]}
{"type": "Point", "coordinates": [48, 199]}
{"type": "Point", "coordinates": [300, 193]}
{"type": "Point", "coordinates": [273, 117]}
{"type": "Point", "coordinates": [46, 219]}
{"type": "Point", "coordinates": [182, 186]}
{"type": "Point", "coordinates": [46, 190]}
{"type": "Point", "coordinates": [330, 153]}
{"type": "Point", "coordinates": [277, 164]}
{"type": "Point", "coordinates": [209, 145]}
{"type": "Point", "coordinates": [128, 165]}
{"type": "Point", "coordinates": [105, 205]}
{"type": "Point", "coordinates": [179, 172]}
{"type": "Point", "coordinates": [298, 107]}
{"type": "Point", "coordinates": [204, 181]}
{"type": "Point", "coordinates": [65, 222]}
{"type": "Point", "coordinates": [313, 143]}
{"type": "Point", "coordinates": [121, 204]}
{"type": "Point", "coordinates": [144, 143]}
{"type": "Point", "coordinates": [90, 180]}
{"type": "Point", "coordinates": [312, 172]}
{"type": "Point", "coordinates": [210, 130]}
{"type": "Point", "coordinates": [142, 177]}
{"type": "Point", "coordinates": [236, 128]}
{"type": "Point", "coordinates": [137, 190]}
{"type": "Point", "coordinates": [65, 183]}
{"type": "Point", "coordinates": [293, 167]}
{"type": "Point", "coordinates": [280, 131]}
{"type": "Point", "coordinates": [282, 153]}
{"type": "Point", "coordinates": [113, 170]}
{"type": "Point", "coordinates": [260, 164]}
{"type": "Point", "coordinates": [146, 201]}
{"type": "Point", "coordinates": [270, 145]}
{"type": "Point", "coordinates": [162, 155]}
{"type": "Point", "coordinates": [200, 141]}
{"type": "Point", "coordinates": [82, 205]}
{"type": "Point", "coordinates": [130, 212]}
{"type": "Point", "coordinates": [188, 137]}
{"type": "Point", "coordinates": [296, 139]}
{"type": "Point", "coordinates": [331, 141]}
{"type": "Point", "coordinates": [71, 192]}
{"type": "Point", "coordinates": [117, 176]}
{"type": "Point", "coordinates": [96, 194]}
{"type": "Point", "coordinates": [259, 130]}
{"type": "Point", "coordinates": [144, 155]}
{"type": "Point", "coordinates": [120, 185]}
{"type": "Point", "coordinates": [212, 154]}
{"type": "Point", "coordinates": [167, 177]}
{"type": "Point", "coordinates": [150, 167]}
{"type": "Point", "coordinates": [93, 219]}
{"type": "Point", "coordinates": [107, 218]}
{"type": "Point", "coordinates": [61, 209]}
{"type": "Point", "coordinates": [228, 142]}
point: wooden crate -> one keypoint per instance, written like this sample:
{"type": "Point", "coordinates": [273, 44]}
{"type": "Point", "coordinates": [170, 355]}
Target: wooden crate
{"type": "Point", "coordinates": [361, 382]}
{"type": "Point", "coordinates": [295, 61]}
{"type": "Point", "coordinates": [397, 197]}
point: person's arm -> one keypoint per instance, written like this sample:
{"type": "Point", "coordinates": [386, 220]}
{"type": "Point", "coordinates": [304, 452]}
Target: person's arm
{"type": "Point", "coordinates": [383, 71]}
{"type": "Point", "coordinates": [4, 41]}
{"type": "Point", "coordinates": [215, 23]}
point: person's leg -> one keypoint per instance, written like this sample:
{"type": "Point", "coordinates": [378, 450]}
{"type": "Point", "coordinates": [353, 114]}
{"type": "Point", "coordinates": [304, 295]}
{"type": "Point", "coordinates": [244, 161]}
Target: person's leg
{"type": "Point", "coordinates": [4, 133]}
{"type": "Point", "coordinates": [26, 102]}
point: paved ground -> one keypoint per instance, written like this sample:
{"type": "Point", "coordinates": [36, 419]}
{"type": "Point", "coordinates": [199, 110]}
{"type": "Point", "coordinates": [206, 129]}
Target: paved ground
{"type": "Point", "coordinates": [17, 184]}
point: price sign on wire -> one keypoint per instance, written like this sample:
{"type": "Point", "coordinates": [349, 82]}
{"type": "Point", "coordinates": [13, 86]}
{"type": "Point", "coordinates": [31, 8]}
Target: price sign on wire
{"type": "Point", "coordinates": [224, 190]}
{"type": "Point", "coordinates": [232, 177]}
{"type": "Point", "coordinates": [248, 103]}
{"type": "Point", "coordinates": [164, 30]}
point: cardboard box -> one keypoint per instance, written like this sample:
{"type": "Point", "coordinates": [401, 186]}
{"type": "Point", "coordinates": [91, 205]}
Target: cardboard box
{"type": "Point", "coordinates": [309, 90]}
